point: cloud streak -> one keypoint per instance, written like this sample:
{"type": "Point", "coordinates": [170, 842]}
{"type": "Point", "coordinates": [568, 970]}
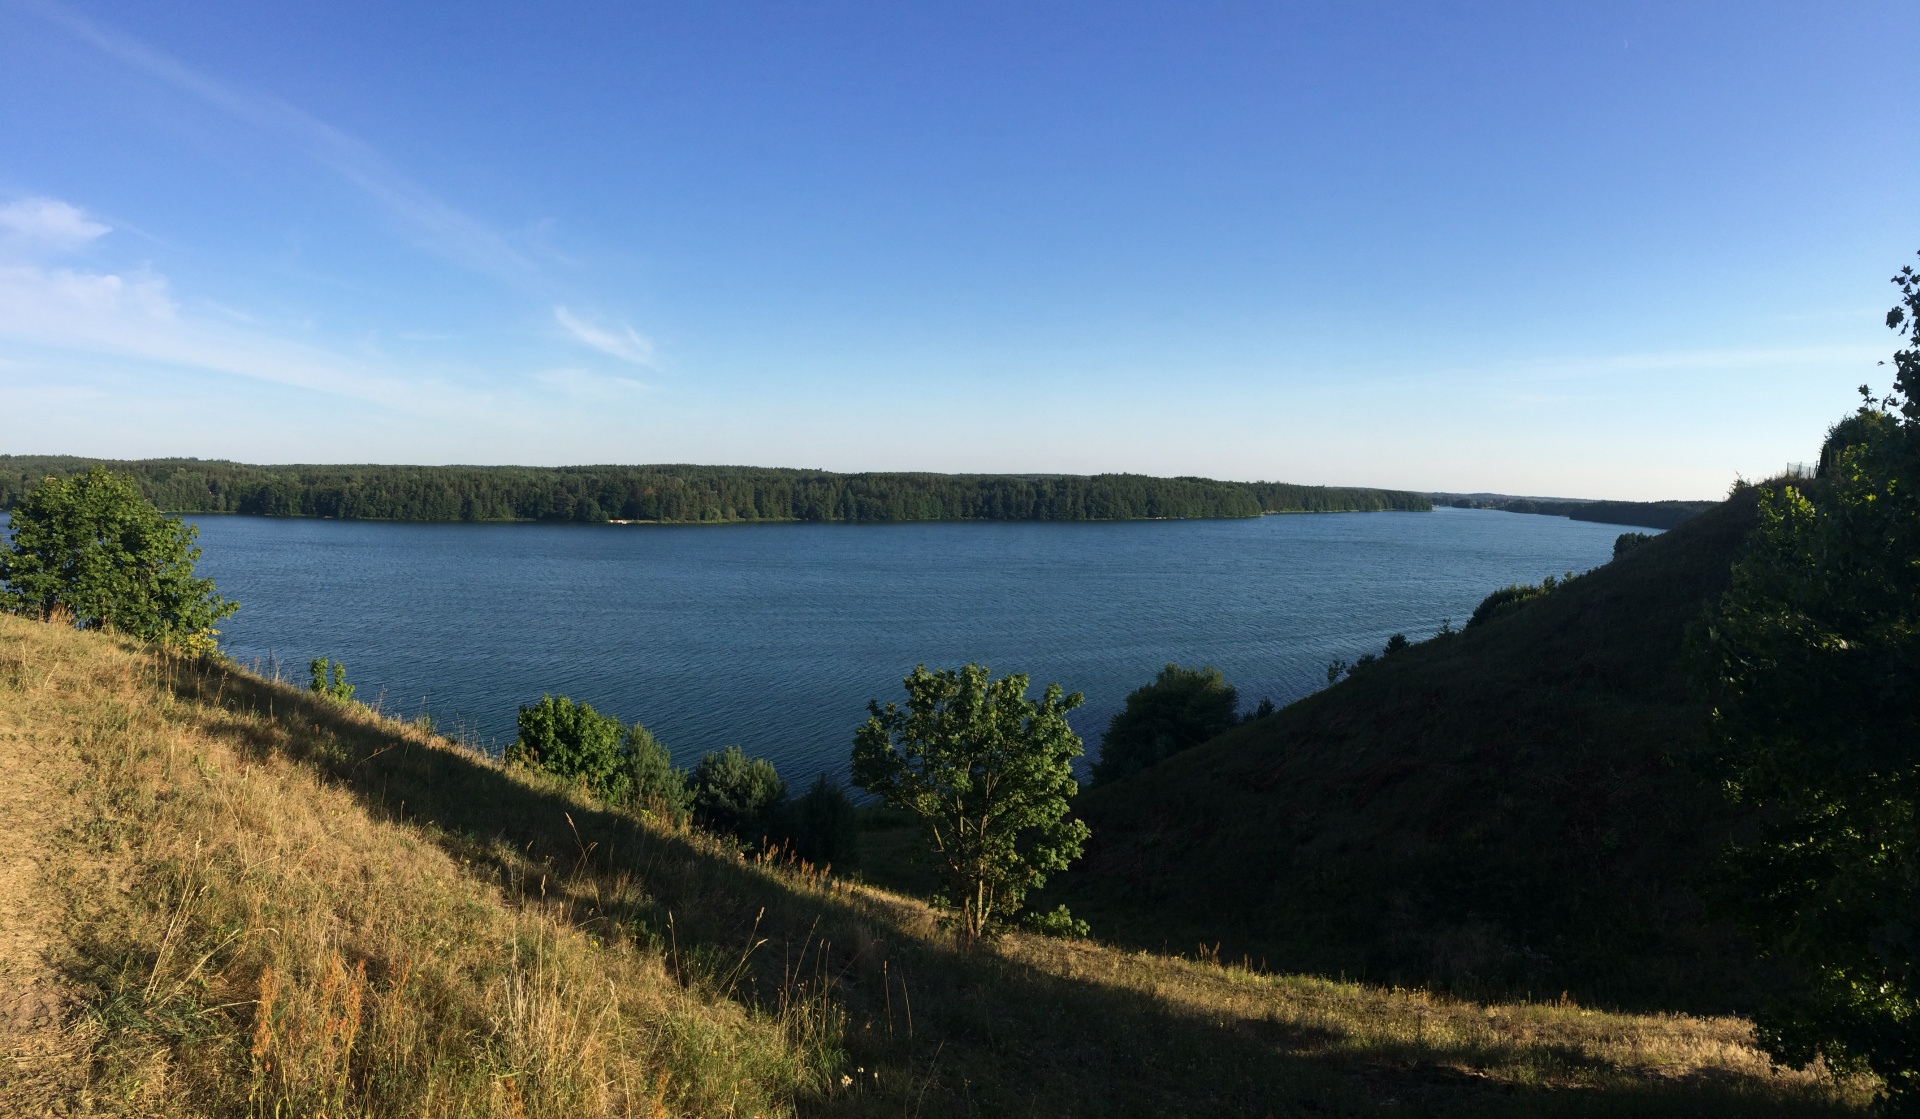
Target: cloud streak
{"type": "Point", "coordinates": [438, 225]}
{"type": "Point", "coordinates": [624, 342]}
{"type": "Point", "coordinates": [49, 222]}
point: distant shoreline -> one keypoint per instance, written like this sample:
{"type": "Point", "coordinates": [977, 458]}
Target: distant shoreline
{"type": "Point", "coordinates": [687, 494]}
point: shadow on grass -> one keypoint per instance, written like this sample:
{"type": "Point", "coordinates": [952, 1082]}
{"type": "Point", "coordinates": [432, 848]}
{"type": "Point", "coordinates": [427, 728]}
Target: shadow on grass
{"type": "Point", "coordinates": [921, 1026]}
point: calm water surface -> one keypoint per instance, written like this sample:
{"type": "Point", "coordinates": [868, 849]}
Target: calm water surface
{"type": "Point", "coordinates": [775, 636]}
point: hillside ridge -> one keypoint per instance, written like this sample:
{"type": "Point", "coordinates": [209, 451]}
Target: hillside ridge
{"type": "Point", "coordinates": [273, 902]}
{"type": "Point", "coordinates": [1515, 807]}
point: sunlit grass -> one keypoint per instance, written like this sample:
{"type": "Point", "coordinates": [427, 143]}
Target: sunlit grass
{"type": "Point", "coordinates": [273, 903]}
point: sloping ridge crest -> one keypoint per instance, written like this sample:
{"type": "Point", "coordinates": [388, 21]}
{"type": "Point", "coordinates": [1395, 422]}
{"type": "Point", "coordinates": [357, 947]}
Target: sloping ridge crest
{"type": "Point", "coordinates": [1523, 807]}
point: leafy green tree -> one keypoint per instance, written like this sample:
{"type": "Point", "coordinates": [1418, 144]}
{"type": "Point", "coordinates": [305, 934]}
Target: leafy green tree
{"type": "Point", "coordinates": [92, 546]}
{"type": "Point", "coordinates": [735, 793]}
{"type": "Point", "coordinates": [329, 678]}
{"type": "Point", "coordinates": [1180, 709]}
{"type": "Point", "coordinates": [1814, 657]}
{"type": "Point", "coordinates": [989, 773]}
{"type": "Point", "coordinates": [573, 741]}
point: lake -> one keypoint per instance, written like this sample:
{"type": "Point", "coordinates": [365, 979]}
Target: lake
{"type": "Point", "coordinates": [773, 637]}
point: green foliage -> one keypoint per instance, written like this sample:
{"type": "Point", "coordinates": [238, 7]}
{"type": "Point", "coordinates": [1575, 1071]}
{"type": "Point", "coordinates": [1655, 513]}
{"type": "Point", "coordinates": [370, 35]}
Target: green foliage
{"type": "Point", "coordinates": [988, 772]}
{"type": "Point", "coordinates": [1056, 922]}
{"type": "Point", "coordinates": [1651, 514]}
{"type": "Point", "coordinates": [1627, 542]}
{"type": "Point", "coordinates": [1178, 710]}
{"type": "Point", "coordinates": [329, 678]}
{"type": "Point", "coordinates": [653, 784]}
{"type": "Point", "coordinates": [689, 493]}
{"type": "Point", "coordinates": [1475, 814]}
{"type": "Point", "coordinates": [735, 793]}
{"type": "Point", "coordinates": [1508, 599]}
{"type": "Point", "coordinates": [823, 826]}
{"type": "Point", "coordinates": [622, 765]}
{"type": "Point", "coordinates": [574, 741]}
{"type": "Point", "coordinates": [1814, 657]}
{"type": "Point", "coordinates": [92, 546]}
{"type": "Point", "coordinates": [1398, 643]}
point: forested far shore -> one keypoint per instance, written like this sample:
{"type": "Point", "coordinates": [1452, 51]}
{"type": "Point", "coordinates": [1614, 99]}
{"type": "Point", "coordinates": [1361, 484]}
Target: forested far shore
{"type": "Point", "coordinates": [1643, 514]}
{"type": "Point", "coordinates": [688, 494]}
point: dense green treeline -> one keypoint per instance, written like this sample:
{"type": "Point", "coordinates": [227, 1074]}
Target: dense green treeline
{"type": "Point", "coordinates": [681, 493]}
{"type": "Point", "coordinates": [1284, 497]}
{"type": "Point", "coordinates": [1644, 514]}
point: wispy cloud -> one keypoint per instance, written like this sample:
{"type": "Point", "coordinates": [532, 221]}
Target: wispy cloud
{"type": "Point", "coordinates": [49, 222]}
{"type": "Point", "coordinates": [134, 316]}
{"type": "Point", "coordinates": [587, 385]}
{"type": "Point", "coordinates": [622, 342]}
{"type": "Point", "coordinates": [439, 226]}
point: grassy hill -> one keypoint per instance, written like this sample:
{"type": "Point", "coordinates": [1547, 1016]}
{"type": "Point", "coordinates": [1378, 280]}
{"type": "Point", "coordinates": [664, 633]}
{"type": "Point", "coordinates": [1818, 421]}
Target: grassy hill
{"type": "Point", "coordinates": [226, 896]}
{"type": "Point", "coordinates": [1512, 808]}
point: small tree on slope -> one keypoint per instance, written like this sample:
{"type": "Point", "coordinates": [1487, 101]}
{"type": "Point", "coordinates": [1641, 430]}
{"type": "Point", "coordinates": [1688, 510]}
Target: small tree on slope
{"type": "Point", "coordinates": [1815, 661]}
{"type": "Point", "coordinates": [93, 546]}
{"type": "Point", "coordinates": [989, 773]}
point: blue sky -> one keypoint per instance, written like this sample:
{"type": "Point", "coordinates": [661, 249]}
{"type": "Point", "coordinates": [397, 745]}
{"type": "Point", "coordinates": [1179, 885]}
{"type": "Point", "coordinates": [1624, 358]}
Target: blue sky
{"type": "Point", "coordinates": [1603, 250]}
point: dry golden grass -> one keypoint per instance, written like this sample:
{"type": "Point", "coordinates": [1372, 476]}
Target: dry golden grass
{"type": "Point", "coordinates": [245, 937]}
{"type": "Point", "coordinates": [262, 902]}
{"type": "Point", "coordinates": [1521, 1044]}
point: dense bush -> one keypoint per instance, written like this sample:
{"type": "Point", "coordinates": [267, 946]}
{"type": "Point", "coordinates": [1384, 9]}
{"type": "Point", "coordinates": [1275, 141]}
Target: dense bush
{"type": "Point", "coordinates": [738, 794]}
{"type": "Point", "coordinates": [90, 545]}
{"type": "Point", "coordinates": [1179, 709]}
{"type": "Point", "coordinates": [620, 764]}
{"type": "Point", "coordinates": [1628, 541]}
{"type": "Point", "coordinates": [573, 741]}
{"type": "Point", "coordinates": [653, 784]}
{"type": "Point", "coordinates": [823, 825]}
{"type": "Point", "coordinates": [1508, 599]}
{"type": "Point", "coordinates": [1058, 922]}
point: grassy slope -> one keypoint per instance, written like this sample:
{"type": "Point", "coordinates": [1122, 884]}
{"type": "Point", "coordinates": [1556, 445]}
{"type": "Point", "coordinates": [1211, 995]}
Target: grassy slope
{"type": "Point", "coordinates": [1509, 808]}
{"type": "Point", "coordinates": [259, 902]}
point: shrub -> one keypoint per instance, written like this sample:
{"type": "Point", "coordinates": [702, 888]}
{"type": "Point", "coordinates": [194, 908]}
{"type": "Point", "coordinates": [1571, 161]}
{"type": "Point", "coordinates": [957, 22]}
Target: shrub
{"type": "Point", "coordinates": [737, 794]}
{"type": "Point", "coordinates": [653, 783]}
{"type": "Point", "coordinates": [1508, 599]}
{"type": "Point", "coordinates": [823, 825]}
{"type": "Point", "coordinates": [329, 679]}
{"type": "Point", "coordinates": [93, 546]}
{"type": "Point", "coordinates": [1179, 710]}
{"type": "Point", "coordinates": [1058, 923]}
{"type": "Point", "coordinates": [1628, 541]}
{"type": "Point", "coordinates": [573, 741]}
